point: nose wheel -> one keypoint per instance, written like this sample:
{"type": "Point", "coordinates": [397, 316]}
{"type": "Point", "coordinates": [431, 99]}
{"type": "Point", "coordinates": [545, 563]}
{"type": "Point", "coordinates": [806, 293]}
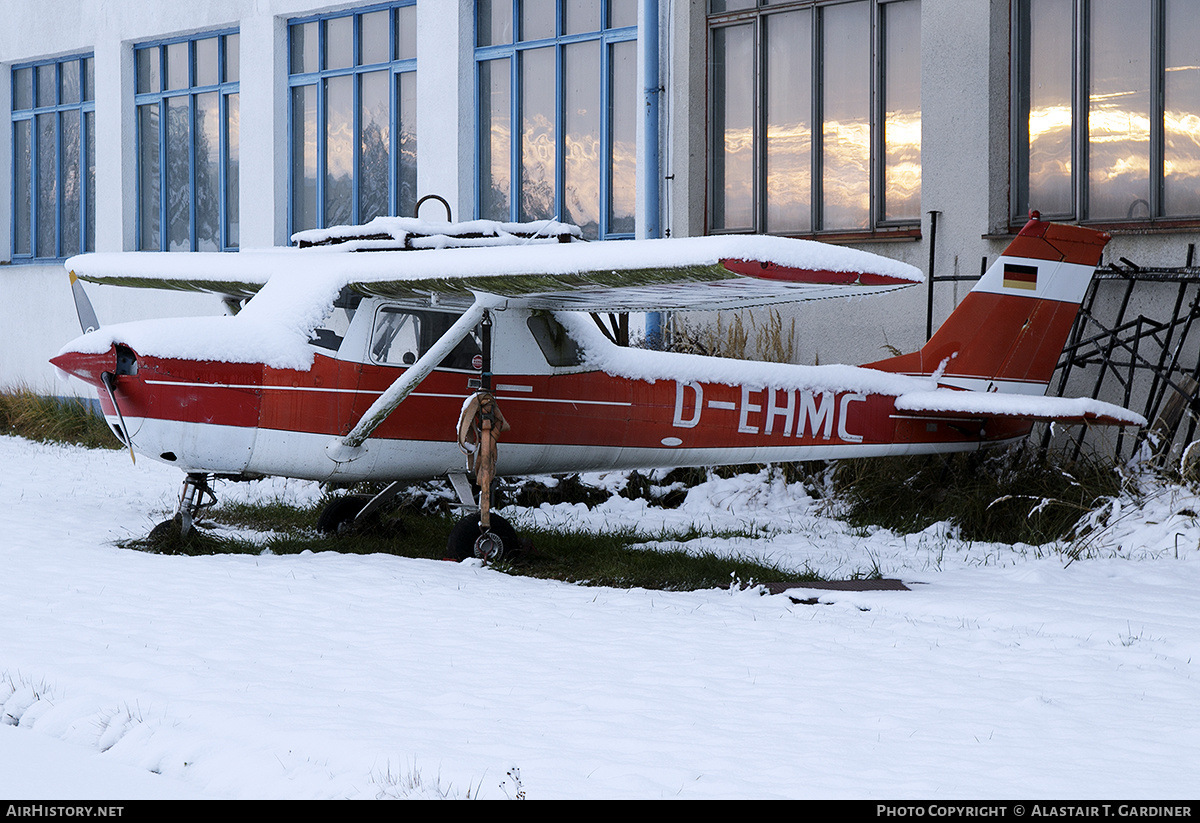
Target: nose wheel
{"type": "Point", "coordinates": [195, 496]}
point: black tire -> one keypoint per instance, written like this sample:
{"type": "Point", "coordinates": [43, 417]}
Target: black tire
{"type": "Point", "coordinates": [168, 538]}
{"type": "Point", "coordinates": [465, 534]}
{"type": "Point", "coordinates": [338, 514]}
{"type": "Point", "coordinates": [169, 530]}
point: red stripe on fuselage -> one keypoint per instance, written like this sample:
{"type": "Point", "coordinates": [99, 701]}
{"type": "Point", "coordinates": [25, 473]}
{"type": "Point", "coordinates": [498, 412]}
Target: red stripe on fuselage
{"type": "Point", "coordinates": [191, 391]}
{"type": "Point", "coordinates": [590, 409]}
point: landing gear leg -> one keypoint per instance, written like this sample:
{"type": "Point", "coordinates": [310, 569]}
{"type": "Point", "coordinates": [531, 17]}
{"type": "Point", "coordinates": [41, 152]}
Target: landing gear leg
{"type": "Point", "coordinates": [483, 534]}
{"type": "Point", "coordinates": [195, 496]}
{"type": "Point", "coordinates": [486, 536]}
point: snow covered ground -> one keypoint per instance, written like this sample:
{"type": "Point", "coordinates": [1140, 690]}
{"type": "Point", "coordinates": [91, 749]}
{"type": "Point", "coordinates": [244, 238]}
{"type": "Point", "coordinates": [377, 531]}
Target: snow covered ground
{"type": "Point", "coordinates": [1004, 672]}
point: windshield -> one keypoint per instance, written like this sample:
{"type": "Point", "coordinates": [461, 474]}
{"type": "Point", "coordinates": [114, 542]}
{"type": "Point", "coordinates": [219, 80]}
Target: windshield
{"type": "Point", "coordinates": [332, 331]}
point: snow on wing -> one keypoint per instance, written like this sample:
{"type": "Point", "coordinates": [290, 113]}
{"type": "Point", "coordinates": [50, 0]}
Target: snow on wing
{"type": "Point", "coordinates": [631, 275]}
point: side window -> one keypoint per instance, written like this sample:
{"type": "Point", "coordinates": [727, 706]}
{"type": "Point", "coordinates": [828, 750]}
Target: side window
{"type": "Point", "coordinates": [462, 355]}
{"type": "Point", "coordinates": [556, 345]}
{"type": "Point", "coordinates": [396, 338]}
{"type": "Point", "coordinates": [401, 335]}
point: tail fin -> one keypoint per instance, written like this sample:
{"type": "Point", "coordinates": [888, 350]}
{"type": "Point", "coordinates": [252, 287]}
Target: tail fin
{"type": "Point", "coordinates": [1009, 332]}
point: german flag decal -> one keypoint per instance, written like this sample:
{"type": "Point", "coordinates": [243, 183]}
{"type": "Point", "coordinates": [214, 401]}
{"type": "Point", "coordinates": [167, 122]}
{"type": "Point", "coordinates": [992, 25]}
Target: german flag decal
{"type": "Point", "coordinates": [1017, 276]}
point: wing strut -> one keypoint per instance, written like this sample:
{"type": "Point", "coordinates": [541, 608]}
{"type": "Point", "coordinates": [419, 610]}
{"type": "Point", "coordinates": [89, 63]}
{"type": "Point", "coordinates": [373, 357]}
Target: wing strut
{"type": "Point", "coordinates": [347, 448]}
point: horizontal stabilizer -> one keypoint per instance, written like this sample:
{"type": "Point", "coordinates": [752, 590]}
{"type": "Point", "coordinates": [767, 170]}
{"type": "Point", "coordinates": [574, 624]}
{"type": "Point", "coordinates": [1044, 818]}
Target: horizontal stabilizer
{"type": "Point", "coordinates": [949, 404]}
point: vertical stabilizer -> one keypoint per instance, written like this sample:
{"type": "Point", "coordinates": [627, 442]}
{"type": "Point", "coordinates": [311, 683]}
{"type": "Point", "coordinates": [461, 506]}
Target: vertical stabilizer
{"type": "Point", "coordinates": [1009, 332]}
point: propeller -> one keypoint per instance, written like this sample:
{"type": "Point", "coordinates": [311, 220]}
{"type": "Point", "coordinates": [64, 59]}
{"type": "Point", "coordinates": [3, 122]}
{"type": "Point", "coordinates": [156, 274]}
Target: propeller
{"type": "Point", "coordinates": [89, 323]}
{"type": "Point", "coordinates": [83, 306]}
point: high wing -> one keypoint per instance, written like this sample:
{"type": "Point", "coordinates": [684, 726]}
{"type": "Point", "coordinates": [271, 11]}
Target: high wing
{"type": "Point", "coordinates": [721, 272]}
{"type": "Point", "coordinates": [953, 404]}
{"type": "Point", "coordinates": [208, 272]}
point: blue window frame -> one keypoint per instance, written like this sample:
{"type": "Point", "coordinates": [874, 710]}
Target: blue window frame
{"type": "Point", "coordinates": [54, 158]}
{"type": "Point", "coordinates": [353, 125]}
{"type": "Point", "coordinates": [557, 111]}
{"type": "Point", "coordinates": [814, 116]}
{"type": "Point", "coordinates": [187, 143]}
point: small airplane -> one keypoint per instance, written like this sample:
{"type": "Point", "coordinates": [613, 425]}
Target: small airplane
{"type": "Point", "coordinates": [385, 352]}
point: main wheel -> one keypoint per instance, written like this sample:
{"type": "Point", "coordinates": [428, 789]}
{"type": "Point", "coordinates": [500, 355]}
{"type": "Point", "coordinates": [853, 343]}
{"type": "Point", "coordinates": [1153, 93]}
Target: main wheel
{"type": "Point", "coordinates": [340, 512]}
{"type": "Point", "coordinates": [467, 541]}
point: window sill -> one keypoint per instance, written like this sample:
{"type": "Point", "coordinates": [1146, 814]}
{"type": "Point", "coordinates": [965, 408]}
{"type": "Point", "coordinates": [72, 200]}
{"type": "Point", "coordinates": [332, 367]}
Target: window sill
{"type": "Point", "coordinates": [35, 261]}
{"type": "Point", "coordinates": [906, 234]}
{"type": "Point", "coordinates": [1116, 228]}
{"type": "Point", "coordinates": [900, 234]}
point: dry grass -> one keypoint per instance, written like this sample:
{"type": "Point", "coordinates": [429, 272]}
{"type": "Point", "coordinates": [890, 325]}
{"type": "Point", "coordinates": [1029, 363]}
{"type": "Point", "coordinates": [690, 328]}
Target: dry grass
{"type": "Point", "coordinates": [743, 336]}
{"type": "Point", "coordinates": [1013, 496]}
{"type": "Point", "coordinates": [54, 419]}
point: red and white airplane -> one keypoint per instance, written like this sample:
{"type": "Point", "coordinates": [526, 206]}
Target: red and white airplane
{"type": "Point", "coordinates": [368, 354]}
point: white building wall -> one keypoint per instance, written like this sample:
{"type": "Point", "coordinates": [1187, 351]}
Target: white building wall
{"type": "Point", "coordinates": [965, 155]}
{"type": "Point", "coordinates": [37, 315]}
{"type": "Point", "coordinates": [446, 106]}
{"type": "Point", "coordinates": [263, 91]}
{"type": "Point", "coordinates": [685, 143]}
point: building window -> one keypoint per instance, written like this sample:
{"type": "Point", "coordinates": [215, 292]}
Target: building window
{"type": "Point", "coordinates": [353, 79]}
{"type": "Point", "coordinates": [815, 116]}
{"type": "Point", "coordinates": [1107, 119]}
{"type": "Point", "coordinates": [54, 159]}
{"type": "Point", "coordinates": [187, 143]}
{"type": "Point", "coordinates": [558, 105]}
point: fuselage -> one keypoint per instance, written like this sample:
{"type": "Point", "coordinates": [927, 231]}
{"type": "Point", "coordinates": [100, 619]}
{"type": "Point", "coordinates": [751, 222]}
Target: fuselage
{"type": "Point", "coordinates": [575, 402]}
{"type": "Point", "coordinates": [297, 383]}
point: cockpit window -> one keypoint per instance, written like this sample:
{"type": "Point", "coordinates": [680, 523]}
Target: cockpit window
{"type": "Point", "coordinates": [332, 331]}
{"type": "Point", "coordinates": [396, 338]}
{"type": "Point", "coordinates": [402, 335]}
{"type": "Point", "coordinates": [552, 338]}
{"type": "Point", "coordinates": [462, 355]}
